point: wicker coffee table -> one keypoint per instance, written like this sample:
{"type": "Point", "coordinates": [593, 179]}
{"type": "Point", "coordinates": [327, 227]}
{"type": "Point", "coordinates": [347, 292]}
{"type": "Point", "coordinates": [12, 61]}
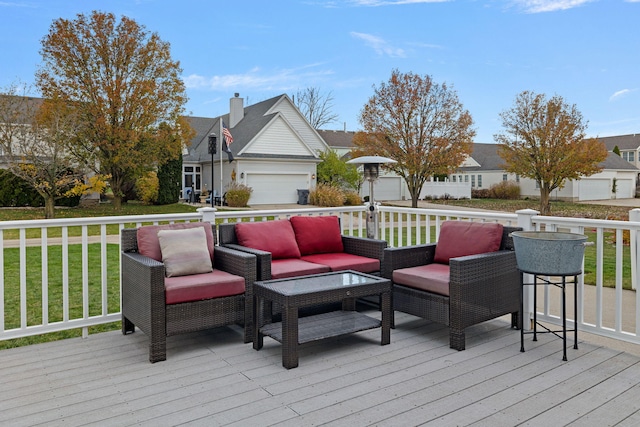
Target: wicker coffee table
{"type": "Point", "coordinates": [305, 291]}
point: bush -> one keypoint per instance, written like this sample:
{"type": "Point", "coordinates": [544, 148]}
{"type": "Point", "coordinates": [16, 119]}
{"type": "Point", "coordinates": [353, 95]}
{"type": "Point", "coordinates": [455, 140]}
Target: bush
{"type": "Point", "coordinates": [351, 198]}
{"type": "Point", "coordinates": [327, 196]}
{"type": "Point", "coordinates": [238, 195]}
{"type": "Point", "coordinates": [169, 179]}
{"type": "Point", "coordinates": [506, 190]}
{"type": "Point", "coordinates": [147, 188]}
{"type": "Point", "coordinates": [480, 193]}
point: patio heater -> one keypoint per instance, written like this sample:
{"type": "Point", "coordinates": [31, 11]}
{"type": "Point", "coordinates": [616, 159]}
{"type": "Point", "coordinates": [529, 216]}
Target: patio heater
{"type": "Point", "coordinates": [371, 172]}
{"type": "Point", "coordinates": [212, 150]}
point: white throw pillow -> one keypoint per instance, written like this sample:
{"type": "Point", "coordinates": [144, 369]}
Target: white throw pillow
{"type": "Point", "coordinates": [184, 251]}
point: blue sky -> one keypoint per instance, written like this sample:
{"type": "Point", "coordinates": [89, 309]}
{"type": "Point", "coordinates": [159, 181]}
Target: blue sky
{"type": "Point", "coordinates": [587, 51]}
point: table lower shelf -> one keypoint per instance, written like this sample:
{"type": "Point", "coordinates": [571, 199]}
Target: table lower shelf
{"type": "Point", "coordinates": [325, 325]}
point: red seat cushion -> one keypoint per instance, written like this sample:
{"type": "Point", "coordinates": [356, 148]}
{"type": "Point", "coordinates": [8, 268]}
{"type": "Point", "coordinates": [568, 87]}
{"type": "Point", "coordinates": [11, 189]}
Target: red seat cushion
{"type": "Point", "coordinates": [294, 267]}
{"type": "Point", "coordinates": [431, 278]}
{"type": "Point", "coordinates": [462, 238]}
{"type": "Point", "coordinates": [343, 261]}
{"type": "Point", "coordinates": [317, 234]}
{"type": "Point", "coordinates": [197, 287]}
{"type": "Point", "coordinates": [272, 236]}
{"type": "Point", "coordinates": [149, 244]}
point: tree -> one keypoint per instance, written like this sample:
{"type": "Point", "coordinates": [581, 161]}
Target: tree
{"type": "Point", "coordinates": [335, 172]}
{"type": "Point", "coordinates": [616, 150]}
{"type": "Point", "coordinates": [544, 139]}
{"type": "Point", "coordinates": [315, 106]}
{"type": "Point", "coordinates": [125, 85]}
{"type": "Point", "coordinates": [33, 136]}
{"type": "Point", "coordinates": [420, 124]}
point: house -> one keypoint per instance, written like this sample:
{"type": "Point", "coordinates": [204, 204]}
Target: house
{"type": "Point", "coordinates": [275, 151]}
{"type": "Point", "coordinates": [629, 146]}
{"type": "Point", "coordinates": [484, 169]}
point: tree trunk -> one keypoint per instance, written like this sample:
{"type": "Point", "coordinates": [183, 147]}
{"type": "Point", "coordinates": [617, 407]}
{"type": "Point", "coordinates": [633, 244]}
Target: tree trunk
{"type": "Point", "coordinates": [117, 201]}
{"type": "Point", "coordinates": [49, 207]}
{"type": "Point", "coordinates": [545, 207]}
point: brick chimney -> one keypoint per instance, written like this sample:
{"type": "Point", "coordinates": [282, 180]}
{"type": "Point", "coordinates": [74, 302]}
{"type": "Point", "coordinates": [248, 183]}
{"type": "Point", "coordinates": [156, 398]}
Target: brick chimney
{"type": "Point", "coordinates": [236, 110]}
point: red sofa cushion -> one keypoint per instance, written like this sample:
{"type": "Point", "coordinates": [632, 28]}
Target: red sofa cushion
{"type": "Point", "coordinates": [149, 244]}
{"type": "Point", "coordinates": [197, 287]}
{"type": "Point", "coordinates": [272, 236]}
{"type": "Point", "coordinates": [431, 278]}
{"type": "Point", "coordinates": [462, 238]}
{"type": "Point", "coordinates": [294, 267]}
{"type": "Point", "coordinates": [343, 261]}
{"type": "Point", "coordinates": [317, 234]}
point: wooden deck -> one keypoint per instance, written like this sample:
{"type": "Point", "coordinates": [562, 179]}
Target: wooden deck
{"type": "Point", "coordinates": [213, 379]}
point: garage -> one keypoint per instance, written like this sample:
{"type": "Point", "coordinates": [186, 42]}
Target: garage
{"type": "Point", "coordinates": [385, 188]}
{"type": "Point", "coordinates": [272, 188]}
{"type": "Point", "coordinates": [594, 189]}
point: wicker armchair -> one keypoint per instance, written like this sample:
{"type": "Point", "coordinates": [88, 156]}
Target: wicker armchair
{"type": "Point", "coordinates": [144, 300]}
{"type": "Point", "coordinates": [481, 287]}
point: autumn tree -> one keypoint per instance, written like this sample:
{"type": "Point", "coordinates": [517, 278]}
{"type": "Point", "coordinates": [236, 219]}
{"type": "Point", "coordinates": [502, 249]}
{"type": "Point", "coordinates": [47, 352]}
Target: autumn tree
{"type": "Point", "coordinates": [315, 106]}
{"type": "Point", "coordinates": [420, 124]}
{"type": "Point", "coordinates": [544, 139]}
{"type": "Point", "coordinates": [125, 84]}
{"type": "Point", "coordinates": [34, 135]}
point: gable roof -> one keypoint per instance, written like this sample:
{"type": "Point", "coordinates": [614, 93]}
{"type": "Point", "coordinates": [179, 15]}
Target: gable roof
{"type": "Point", "coordinates": [255, 119]}
{"type": "Point", "coordinates": [337, 138]}
{"type": "Point", "coordinates": [489, 160]}
{"type": "Point", "coordinates": [624, 142]}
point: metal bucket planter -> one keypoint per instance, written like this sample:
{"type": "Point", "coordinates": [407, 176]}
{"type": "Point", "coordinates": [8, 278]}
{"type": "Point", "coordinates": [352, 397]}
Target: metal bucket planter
{"type": "Point", "coordinates": [549, 253]}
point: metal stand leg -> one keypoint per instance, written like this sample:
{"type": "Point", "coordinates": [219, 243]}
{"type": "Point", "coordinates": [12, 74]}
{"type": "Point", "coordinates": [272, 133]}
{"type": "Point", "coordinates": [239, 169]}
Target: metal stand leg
{"type": "Point", "coordinates": [564, 320]}
{"type": "Point", "coordinates": [535, 311]}
{"type": "Point", "coordinates": [575, 314]}
{"type": "Point", "coordinates": [521, 312]}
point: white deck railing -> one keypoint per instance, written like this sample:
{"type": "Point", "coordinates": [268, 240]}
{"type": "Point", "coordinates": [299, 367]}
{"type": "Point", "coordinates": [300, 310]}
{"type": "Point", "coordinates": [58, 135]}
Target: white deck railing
{"type": "Point", "coordinates": [53, 278]}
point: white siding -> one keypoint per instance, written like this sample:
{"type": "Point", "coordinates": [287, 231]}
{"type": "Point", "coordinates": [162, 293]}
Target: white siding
{"type": "Point", "coordinates": [301, 126]}
{"type": "Point", "coordinates": [278, 139]}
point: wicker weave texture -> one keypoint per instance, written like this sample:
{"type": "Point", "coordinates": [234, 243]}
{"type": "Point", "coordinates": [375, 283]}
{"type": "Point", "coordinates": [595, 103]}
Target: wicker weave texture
{"type": "Point", "coordinates": [481, 287]}
{"type": "Point", "coordinates": [143, 298]}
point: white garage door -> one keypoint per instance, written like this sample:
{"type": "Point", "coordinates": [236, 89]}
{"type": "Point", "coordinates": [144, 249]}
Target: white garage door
{"type": "Point", "coordinates": [625, 189]}
{"type": "Point", "coordinates": [276, 188]}
{"type": "Point", "coordinates": [385, 188]}
{"type": "Point", "coordinates": [594, 189]}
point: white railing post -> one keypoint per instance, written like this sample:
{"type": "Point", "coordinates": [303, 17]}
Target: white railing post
{"type": "Point", "coordinates": [208, 214]}
{"type": "Point", "coordinates": [634, 216]}
{"type": "Point", "coordinates": [525, 221]}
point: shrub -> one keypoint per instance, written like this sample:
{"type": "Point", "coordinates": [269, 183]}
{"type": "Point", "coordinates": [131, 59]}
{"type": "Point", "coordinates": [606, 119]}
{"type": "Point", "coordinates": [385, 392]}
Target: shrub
{"type": "Point", "coordinates": [351, 198]}
{"type": "Point", "coordinates": [480, 193]}
{"type": "Point", "coordinates": [147, 188]}
{"type": "Point", "coordinates": [169, 179]}
{"type": "Point", "coordinates": [238, 195]}
{"type": "Point", "coordinates": [326, 195]}
{"type": "Point", "coordinates": [506, 190]}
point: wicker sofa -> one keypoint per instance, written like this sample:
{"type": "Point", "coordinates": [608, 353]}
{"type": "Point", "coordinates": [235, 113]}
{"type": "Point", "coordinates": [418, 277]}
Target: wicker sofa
{"type": "Point", "coordinates": [302, 245]}
{"type": "Point", "coordinates": [468, 277]}
{"type": "Point", "coordinates": [162, 306]}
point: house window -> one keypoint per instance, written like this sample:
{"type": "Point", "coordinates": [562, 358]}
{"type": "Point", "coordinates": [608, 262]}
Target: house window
{"type": "Point", "coordinates": [517, 178]}
{"type": "Point", "coordinates": [479, 181]}
{"type": "Point", "coordinates": [466, 178]}
{"type": "Point", "coordinates": [192, 177]}
{"type": "Point", "coordinates": [629, 156]}
{"type": "Point", "coordinates": [453, 178]}
{"type": "Point", "coordinates": [473, 181]}
{"type": "Point", "coordinates": [504, 177]}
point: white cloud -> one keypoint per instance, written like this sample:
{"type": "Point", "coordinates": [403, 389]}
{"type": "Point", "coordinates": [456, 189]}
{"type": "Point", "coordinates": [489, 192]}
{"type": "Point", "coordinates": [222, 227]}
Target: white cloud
{"type": "Point", "coordinates": [539, 6]}
{"type": "Point", "coordinates": [374, 3]}
{"type": "Point", "coordinates": [284, 79]}
{"type": "Point", "coordinates": [621, 93]}
{"type": "Point", "coordinates": [379, 45]}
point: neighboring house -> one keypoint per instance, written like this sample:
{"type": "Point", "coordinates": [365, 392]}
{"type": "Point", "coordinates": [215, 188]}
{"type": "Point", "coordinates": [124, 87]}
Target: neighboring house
{"type": "Point", "coordinates": [276, 151]}
{"type": "Point", "coordinates": [629, 146]}
{"type": "Point", "coordinates": [484, 169]}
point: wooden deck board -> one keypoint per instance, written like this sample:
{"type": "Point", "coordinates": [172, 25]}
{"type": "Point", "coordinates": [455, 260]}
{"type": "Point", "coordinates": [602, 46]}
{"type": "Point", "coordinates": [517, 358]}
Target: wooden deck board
{"type": "Point", "coordinates": [212, 378]}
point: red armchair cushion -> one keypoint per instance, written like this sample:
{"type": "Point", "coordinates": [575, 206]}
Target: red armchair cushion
{"type": "Point", "coordinates": [149, 244]}
{"type": "Point", "coordinates": [272, 236]}
{"type": "Point", "coordinates": [317, 234]}
{"type": "Point", "coordinates": [344, 261]}
{"type": "Point", "coordinates": [462, 238]}
{"type": "Point", "coordinates": [431, 278]}
{"type": "Point", "coordinates": [294, 267]}
{"type": "Point", "coordinates": [197, 287]}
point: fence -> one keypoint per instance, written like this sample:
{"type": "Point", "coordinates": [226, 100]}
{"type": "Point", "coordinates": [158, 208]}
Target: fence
{"type": "Point", "coordinates": [64, 274]}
